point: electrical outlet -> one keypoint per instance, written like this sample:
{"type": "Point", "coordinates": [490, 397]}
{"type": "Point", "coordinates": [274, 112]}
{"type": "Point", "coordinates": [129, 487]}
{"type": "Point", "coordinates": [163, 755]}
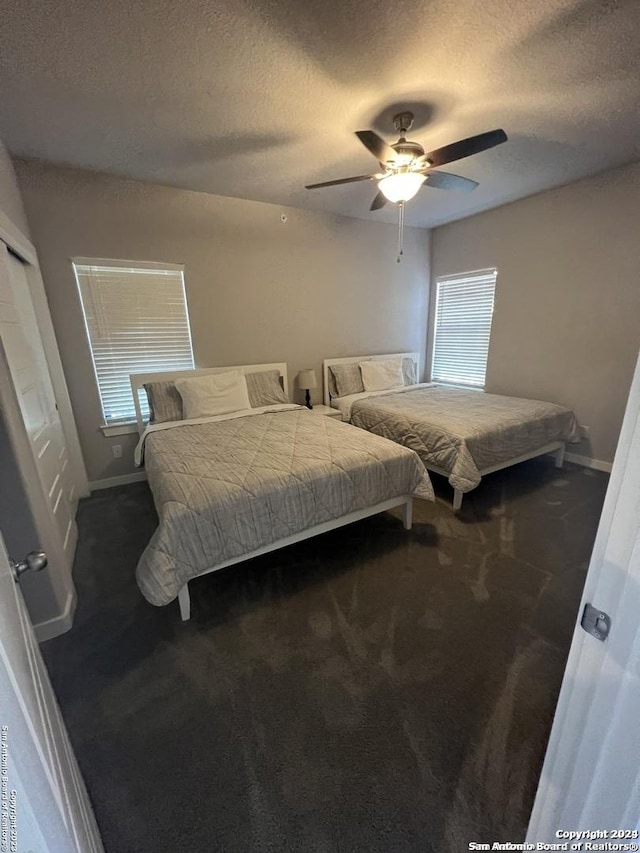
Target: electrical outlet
{"type": "Point", "coordinates": [584, 430]}
{"type": "Point", "coordinates": [116, 449]}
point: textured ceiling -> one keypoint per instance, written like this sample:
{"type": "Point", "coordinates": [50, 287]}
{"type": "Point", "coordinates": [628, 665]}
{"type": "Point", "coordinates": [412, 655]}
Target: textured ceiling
{"type": "Point", "coordinates": [255, 98]}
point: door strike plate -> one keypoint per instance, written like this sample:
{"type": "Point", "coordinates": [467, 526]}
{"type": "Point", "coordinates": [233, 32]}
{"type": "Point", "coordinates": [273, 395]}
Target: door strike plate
{"type": "Point", "coordinates": [596, 622]}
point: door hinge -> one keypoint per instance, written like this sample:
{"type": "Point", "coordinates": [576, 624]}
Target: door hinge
{"type": "Point", "coordinates": [596, 622]}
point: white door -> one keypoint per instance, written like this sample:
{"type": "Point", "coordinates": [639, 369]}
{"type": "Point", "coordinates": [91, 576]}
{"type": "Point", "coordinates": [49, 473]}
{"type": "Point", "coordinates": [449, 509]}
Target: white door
{"type": "Point", "coordinates": [34, 390]}
{"type": "Point", "coordinates": [591, 775]}
{"type": "Point", "coordinates": [44, 805]}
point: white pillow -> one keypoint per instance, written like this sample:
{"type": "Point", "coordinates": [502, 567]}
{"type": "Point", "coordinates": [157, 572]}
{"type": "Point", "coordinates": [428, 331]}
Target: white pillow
{"type": "Point", "coordinates": [214, 394]}
{"type": "Point", "coordinates": [382, 374]}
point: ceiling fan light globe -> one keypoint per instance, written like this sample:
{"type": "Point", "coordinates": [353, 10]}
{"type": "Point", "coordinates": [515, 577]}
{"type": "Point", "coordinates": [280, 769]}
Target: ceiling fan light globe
{"type": "Point", "coordinates": [402, 186]}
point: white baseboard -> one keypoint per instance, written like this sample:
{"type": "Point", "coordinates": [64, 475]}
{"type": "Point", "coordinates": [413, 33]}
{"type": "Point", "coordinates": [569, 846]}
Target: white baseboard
{"type": "Point", "coordinates": [596, 464]}
{"type": "Point", "coordinates": [59, 624]}
{"type": "Point", "coordinates": [122, 480]}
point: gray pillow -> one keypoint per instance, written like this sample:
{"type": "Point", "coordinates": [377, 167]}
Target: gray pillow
{"type": "Point", "coordinates": [265, 388]}
{"type": "Point", "coordinates": [165, 403]}
{"type": "Point", "coordinates": [333, 391]}
{"type": "Point", "coordinates": [347, 377]}
{"type": "Point", "coordinates": [409, 371]}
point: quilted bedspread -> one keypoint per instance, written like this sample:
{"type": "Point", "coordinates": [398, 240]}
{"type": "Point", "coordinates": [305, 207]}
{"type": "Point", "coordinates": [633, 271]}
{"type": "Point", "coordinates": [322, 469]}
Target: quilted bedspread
{"type": "Point", "coordinates": [463, 432]}
{"type": "Point", "coordinates": [226, 488]}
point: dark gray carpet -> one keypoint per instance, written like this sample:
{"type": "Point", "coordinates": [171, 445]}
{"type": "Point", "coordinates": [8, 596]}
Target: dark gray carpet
{"type": "Point", "coordinates": [370, 690]}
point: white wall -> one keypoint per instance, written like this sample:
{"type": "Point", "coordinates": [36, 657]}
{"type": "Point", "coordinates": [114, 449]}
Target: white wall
{"type": "Point", "coordinates": [258, 289]}
{"type": "Point", "coordinates": [566, 324]}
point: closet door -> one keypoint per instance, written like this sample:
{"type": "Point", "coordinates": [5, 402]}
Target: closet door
{"type": "Point", "coordinates": [27, 364]}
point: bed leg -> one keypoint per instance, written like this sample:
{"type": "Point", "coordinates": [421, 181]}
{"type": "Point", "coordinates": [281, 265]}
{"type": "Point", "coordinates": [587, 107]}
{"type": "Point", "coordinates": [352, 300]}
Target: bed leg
{"type": "Point", "coordinates": [560, 457]}
{"type": "Point", "coordinates": [457, 498]}
{"type": "Point", "coordinates": [407, 514]}
{"type": "Point", "coordinates": [185, 603]}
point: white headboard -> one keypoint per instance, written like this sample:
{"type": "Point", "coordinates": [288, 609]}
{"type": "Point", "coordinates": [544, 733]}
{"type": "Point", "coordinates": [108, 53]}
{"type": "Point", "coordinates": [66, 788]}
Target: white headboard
{"type": "Point", "coordinates": [138, 379]}
{"type": "Point", "coordinates": [329, 361]}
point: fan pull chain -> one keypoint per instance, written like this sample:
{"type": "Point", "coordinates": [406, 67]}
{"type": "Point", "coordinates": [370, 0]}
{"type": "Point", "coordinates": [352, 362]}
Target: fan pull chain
{"type": "Point", "coordinates": [400, 232]}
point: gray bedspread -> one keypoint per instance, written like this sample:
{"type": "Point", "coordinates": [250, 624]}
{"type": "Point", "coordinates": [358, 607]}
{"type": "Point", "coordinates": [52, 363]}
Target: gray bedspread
{"type": "Point", "coordinates": [224, 489]}
{"type": "Point", "coordinates": [464, 432]}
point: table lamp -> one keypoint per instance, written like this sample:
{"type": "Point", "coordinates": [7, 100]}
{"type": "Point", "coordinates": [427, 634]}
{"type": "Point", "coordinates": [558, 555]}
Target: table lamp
{"type": "Point", "coordinates": [307, 379]}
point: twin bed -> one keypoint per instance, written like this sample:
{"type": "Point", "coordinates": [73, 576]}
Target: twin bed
{"type": "Point", "coordinates": [231, 485]}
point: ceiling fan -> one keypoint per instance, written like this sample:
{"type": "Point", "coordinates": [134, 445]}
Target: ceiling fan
{"type": "Point", "coordinates": [406, 167]}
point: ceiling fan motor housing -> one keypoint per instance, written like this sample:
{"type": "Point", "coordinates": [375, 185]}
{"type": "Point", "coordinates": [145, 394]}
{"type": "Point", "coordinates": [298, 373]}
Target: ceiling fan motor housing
{"type": "Point", "coordinates": [408, 150]}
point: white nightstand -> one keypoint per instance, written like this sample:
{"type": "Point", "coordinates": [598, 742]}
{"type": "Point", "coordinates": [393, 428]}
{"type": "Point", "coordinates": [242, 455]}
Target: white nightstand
{"type": "Point", "coordinates": [327, 411]}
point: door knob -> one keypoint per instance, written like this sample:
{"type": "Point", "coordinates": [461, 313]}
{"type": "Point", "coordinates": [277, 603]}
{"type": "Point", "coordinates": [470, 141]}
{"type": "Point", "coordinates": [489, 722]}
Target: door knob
{"type": "Point", "coordinates": [35, 561]}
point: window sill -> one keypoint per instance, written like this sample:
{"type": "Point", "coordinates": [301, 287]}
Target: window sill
{"type": "Point", "coordinates": [459, 386]}
{"type": "Point", "coordinates": [119, 429]}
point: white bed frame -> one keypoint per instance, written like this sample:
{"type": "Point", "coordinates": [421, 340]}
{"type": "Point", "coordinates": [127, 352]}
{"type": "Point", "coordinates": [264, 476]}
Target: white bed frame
{"type": "Point", "coordinates": [556, 447]}
{"type": "Point", "coordinates": [405, 502]}
{"type": "Point", "coordinates": [184, 599]}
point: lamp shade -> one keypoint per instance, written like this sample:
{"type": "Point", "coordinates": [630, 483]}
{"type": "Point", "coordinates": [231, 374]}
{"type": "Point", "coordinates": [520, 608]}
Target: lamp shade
{"type": "Point", "coordinates": [401, 186]}
{"type": "Point", "coordinates": [307, 379]}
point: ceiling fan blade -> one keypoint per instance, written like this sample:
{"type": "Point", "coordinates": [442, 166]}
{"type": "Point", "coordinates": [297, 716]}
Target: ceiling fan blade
{"type": "Point", "coordinates": [340, 181]}
{"type": "Point", "coordinates": [466, 147]}
{"type": "Point", "coordinates": [378, 202]}
{"type": "Point", "coordinates": [378, 147]}
{"type": "Point", "coordinates": [447, 181]}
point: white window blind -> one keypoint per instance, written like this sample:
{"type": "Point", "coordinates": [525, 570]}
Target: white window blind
{"type": "Point", "coordinates": [464, 309]}
{"type": "Point", "coordinates": [137, 322]}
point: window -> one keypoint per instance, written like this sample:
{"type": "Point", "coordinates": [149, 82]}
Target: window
{"type": "Point", "coordinates": [137, 322]}
{"type": "Point", "coordinates": [464, 308]}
